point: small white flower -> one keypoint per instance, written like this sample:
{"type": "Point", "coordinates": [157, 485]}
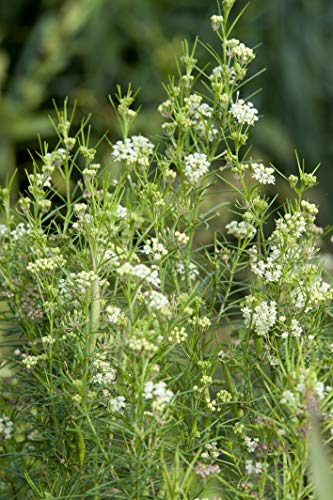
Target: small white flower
{"type": "Point", "coordinates": [149, 275]}
{"type": "Point", "coordinates": [121, 212]}
{"type": "Point", "coordinates": [155, 248]}
{"type": "Point", "coordinates": [241, 229]}
{"type": "Point", "coordinates": [196, 166]}
{"type": "Point", "coordinates": [244, 112]}
{"type": "Point", "coordinates": [20, 230]}
{"type": "Point", "coordinates": [118, 403]}
{"type": "Point", "coordinates": [159, 393]}
{"type": "Point", "coordinates": [237, 49]}
{"type": "Point", "coordinates": [157, 301]}
{"type": "Point", "coordinates": [288, 398]}
{"type": "Point", "coordinates": [253, 468]}
{"type": "Point", "coordinates": [262, 318]}
{"type": "Point", "coordinates": [42, 180]}
{"type": "Point", "coordinates": [216, 21]}
{"type": "Point", "coordinates": [137, 149]}
{"type": "Point", "coordinates": [262, 174]}
{"type": "Point", "coordinates": [6, 428]}
{"type": "Point", "coordinates": [113, 314]}
{"type": "Point", "coordinates": [251, 444]}
{"type": "Point", "coordinates": [148, 390]}
{"type": "Point", "coordinates": [217, 74]}
{"type": "Point", "coordinates": [296, 329]}
{"type": "Point", "coordinates": [104, 373]}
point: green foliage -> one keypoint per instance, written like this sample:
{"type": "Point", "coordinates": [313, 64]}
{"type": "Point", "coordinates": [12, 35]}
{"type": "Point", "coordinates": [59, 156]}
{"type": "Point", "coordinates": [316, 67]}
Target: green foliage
{"type": "Point", "coordinates": [144, 363]}
{"type": "Point", "coordinates": [82, 49]}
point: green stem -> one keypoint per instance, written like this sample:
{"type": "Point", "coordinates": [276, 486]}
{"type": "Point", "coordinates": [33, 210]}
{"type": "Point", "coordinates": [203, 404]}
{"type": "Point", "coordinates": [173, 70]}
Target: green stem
{"type": "Point", "coordinates": [94, 316]}
{"type": "Point", "coordinates": [231, 387]}
{"type": "Point", "coordinates": [95, 309]}
{"type": "Point", "coordinates": [258, 346]}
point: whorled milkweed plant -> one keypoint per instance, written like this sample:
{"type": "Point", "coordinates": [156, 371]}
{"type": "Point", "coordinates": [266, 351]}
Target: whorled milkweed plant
{"type": "Point", "coordinates": [143, 364]}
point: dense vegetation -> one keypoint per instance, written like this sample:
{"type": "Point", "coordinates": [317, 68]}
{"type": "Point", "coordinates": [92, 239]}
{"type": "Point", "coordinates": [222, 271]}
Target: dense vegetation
{"type": "Point", "coordinates": [166, 311]}
{"type": "Point", "coordinates": [83, 48]}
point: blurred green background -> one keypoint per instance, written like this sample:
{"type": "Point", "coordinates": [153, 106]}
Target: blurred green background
{"type": "Point", "coordinates": [83, 48]}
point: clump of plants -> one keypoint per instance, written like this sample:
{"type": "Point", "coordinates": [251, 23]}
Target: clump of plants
{"type": "Point", "coordinates": [144, 364]}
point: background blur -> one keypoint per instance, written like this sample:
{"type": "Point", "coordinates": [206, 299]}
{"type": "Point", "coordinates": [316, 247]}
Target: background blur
{"type": "Point", "coordinates": [83, 48]}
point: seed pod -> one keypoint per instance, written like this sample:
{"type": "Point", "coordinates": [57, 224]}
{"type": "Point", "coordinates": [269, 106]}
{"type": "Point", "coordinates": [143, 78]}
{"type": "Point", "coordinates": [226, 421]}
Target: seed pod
{"type": "Point", "coordinates": [80, 446]}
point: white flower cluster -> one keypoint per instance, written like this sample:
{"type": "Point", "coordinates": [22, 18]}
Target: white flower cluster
{"type": "Point", "coordinates": [295, 329]}
{"type": "Point", "coordinates": [126, 269]}
{"type": "Point", "coordinates": [218, 76]}
{"type": "Point", "coordinates": [200, 115]}
{"type": "Point", "coordinates": [155, 248]}
{"type": "Point", "coordinates": [224, 396]}
{"type": "Point", "coordinates": [241, 229]}
{"type": "Point", "coordinates": [244, 112]}
{"type": "Point", "coordinates": [121, 212]}
{"type": "Point", "coordinates": [3, 229]}
{"type": "Point", "coordinates": [112, 255]}
{"type": "Point", "coordinates": [211, 451]}
{"type": "Point", "coordinates": [80, 208]}
{"type": "Point", "coordinates": [307, 379]}
{"type": "Point", "coordinates": [6, 428]}
{"type": "Point", "coordinates": [312, 295]}
{"type": "Point", "coordinates": [42, 180]}
{"type": "Point", "coordinates": [262, 174]}
{"type": "Point", "coordinates": [84, 218]}
{"type": "Point", "coordinates": [262, 318]}
{"type": "Point", "coordinates": [156, 301]}
{"type": "Point", "coordinates": [114, 314]}
{"type": "Point", "coordinates": [137, 149]}
{"type": "Point", "coordinates": [117, 404]}
{"type": "Point", "coordinates": [241, 52]}
{"type": "Point", "coordinates": [216, 21]}
{"type": "Point", "coordinates": [54, 159]}
{"type": "Point", "coordinates": [193, 103]}
{"type": "Point", "coordinates": [149, 275]}
{"type": "Point", "coordinates": [104, 374]}
{"type": "Point", "coordinates": [270, 270]}
{"type": "Point", "coordinates": [196, 166]}
{"type": "Point", "coordinates": [190, 268]}
{"type": "Point", "coordinates": [251, 444]}
{"type": "Point", "coordinates": [20, 230]}
{"type": "Point", "coordinates": [288, 399]}
{"type": "Point", "coordinates": [158, 393]}
{"type": "Point", "coordinates": [306, 385]}
{"type": "Point", "coordinates": [253, 468]}
{"type": "Point", "coordinates": [319, 292]}
{"type": "Point", "coordinates": [291, 226]}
